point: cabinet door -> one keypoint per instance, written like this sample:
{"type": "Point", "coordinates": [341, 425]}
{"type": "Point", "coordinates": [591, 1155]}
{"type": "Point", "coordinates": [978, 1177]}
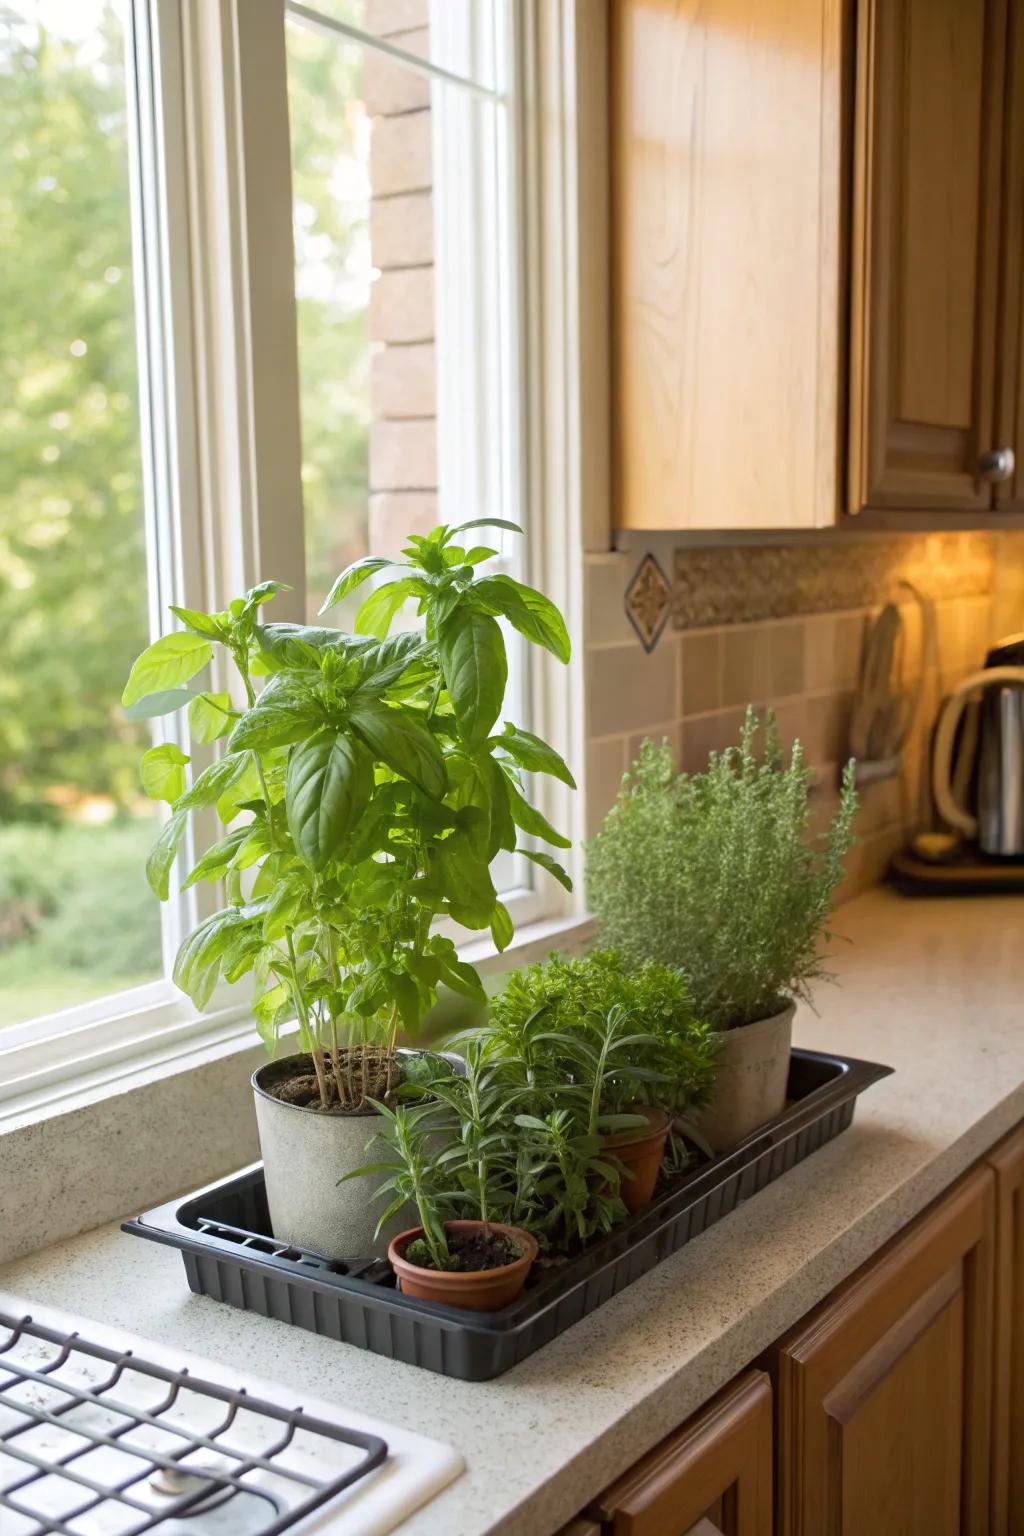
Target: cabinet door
{"type": "Point", "coordinates": [924, 271]}
{"type": "Point", "coordinates": [712, 1478]}
{"type": "Point", "coordinates": [1010, 429]}
{"type": "Point", "coordinates": [725, 148]}
{"type": "Point", "coordinates": [885, 1393]}
{"type": "Point", "coordinates": [1008, 1429]}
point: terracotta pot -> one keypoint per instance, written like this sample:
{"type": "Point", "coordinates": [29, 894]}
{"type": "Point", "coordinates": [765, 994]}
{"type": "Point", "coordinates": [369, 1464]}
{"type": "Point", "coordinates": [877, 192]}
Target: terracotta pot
{"type": "Point", "coordinates": [481, 1290]}
{"type": "Point", "coordinates": [641, 1153]}
{"type": "Point", "coordinates": [750, 1083]}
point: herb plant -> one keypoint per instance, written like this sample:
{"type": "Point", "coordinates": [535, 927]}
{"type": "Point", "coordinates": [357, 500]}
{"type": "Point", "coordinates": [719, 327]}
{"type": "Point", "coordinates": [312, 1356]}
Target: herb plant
{"type": "Point", "coordinates": [718, 873]}
{"type": "Point", "coordinates": [569, 1052]}
{"type": "Point", "coordinates": [365, 791]}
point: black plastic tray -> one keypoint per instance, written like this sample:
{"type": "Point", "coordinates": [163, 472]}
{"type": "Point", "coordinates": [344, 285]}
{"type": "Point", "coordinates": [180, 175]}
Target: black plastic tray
{"type": "Point", "coordinates": [224, 1234]}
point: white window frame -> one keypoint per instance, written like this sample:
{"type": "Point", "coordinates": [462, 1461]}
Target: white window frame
{"type": "Point", "coordinates": [217, 313]}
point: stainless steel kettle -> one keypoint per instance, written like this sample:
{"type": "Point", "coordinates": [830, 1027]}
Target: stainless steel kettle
{"type": "Point", "coordinates": [991, 753]}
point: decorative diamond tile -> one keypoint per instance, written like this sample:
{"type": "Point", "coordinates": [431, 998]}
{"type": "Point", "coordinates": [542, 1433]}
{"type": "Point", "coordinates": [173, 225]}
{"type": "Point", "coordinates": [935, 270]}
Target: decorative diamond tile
{"type": "Point", "coordinates": [648, 602]}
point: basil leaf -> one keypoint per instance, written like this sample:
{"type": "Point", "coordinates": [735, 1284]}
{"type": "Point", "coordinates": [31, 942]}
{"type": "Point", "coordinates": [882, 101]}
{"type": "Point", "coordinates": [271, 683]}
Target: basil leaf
{"type": "Point", "coordinates": [466, 881]}
{"type": "Point", "coordinates": [353, 577]}
{"type": "Point", "coordinates": [472, 651]}
{"type": "Point", "coordinates": [327, 788]}
{"type": "Point", "coordinates": [164, 703]}
{"type": "Point", "coordinates": [209, 717]}
{"type": "Point", "coordinates": [502, 928]}
{"type": "Point", "coordinates": [397, 738]}
{"type": "Point", "coordinates": [533, 754]}
{"type": "Point", "coordinates": [211, 625]}
{"type": "Point", "coordinates": [275, 721]}
{"type": "Point", "coordinates": [374, 617]}
{"type": "Point", "coordinates": [485, 522]}
{"type": "Point", "coordinates": [163, 853]}
{"type": "Point", "coordinates": [168, 661]}
{"type": "Point", "coordinates": [530, 819]}
{"type": "Point", "coordinates": [262, 593]}
{"type": "Point", "coordinates": [212, 782]}
{"type": "Point", "coordinates": [537, 856]}
{"type": "Point", "coordinates": [216, 861]}
{"type": "Point", "coordinates": [529, 611]}
{"type": "Point", "coordinates": [163, 772]}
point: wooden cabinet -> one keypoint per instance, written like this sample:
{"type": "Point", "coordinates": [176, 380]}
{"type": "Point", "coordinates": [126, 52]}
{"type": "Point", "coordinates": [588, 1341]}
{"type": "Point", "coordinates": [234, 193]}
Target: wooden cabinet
{"type": "Point", "coordinates": [712, 1478]}
{"type": "Point", "coordinates": [1008, 1426]}
{"type": "Point", "coordinates": [928, 145]}
{"type": "Point", "coordinates": [725, 257]}
{"type": "Point", "coordinates": [885, 1394]}
{"type": "Point", "coordinates": [817, 262]}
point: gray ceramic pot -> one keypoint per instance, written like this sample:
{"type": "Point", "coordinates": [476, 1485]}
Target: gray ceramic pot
{"type": "Point", "coordinates": [750, 1085]}
{"type": "Point", "coordinates": [305, 1153]}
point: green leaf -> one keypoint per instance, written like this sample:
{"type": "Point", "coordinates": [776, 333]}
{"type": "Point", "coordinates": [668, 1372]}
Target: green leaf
{"type": "Point", "coordinates": [537, 856]}
{"type": "Point", "coordinates": [163, 772]}
{"type": "Point", "coordinates": [163, 853]}
{"type": "Point", "coordinates": [374, 617]}
{"type": "Point", "coordinates": [502, 928]}
{"type": "Point", "coordinates": [527, 817]}
{"type": "Point", "coordinates": [353, 577]}
{"type": "Point", "coordinates": [168, 661]}
{"type": "Point", "coordinates": [529, 611]}
{"type": "Point", "coordinates": [466, 881]}
{"type": "Point", "coordinates": [212, 782]}
{"type": "Point", "coordinates": [211, 625]}
{"type": "Point", "coordinates": [275, 721]}
{"type": "Point", "coordinates": [478, 554]}
{"type": "Point", "coordinates": [461, 977]}
{"type": "Point", "coordinates": [164, 703]}
{"type": "Point", "coordinates": [397, 737]}
{"type": "Point", "coordinates": [485, 522]}
{"type": "Point", "coordinates": [262, 593]}
{"type": "Point", "coordinates": [216, 861]}
{"type": "Point", "coordinates": [327, 788]}
{"type": "Point", "coordinates": [480, 786]}
{"type": "Point", "coordinates": [472, 651]}
{"type": "Point", "coordinates": [209, 717]}
{"type": "Point", "coordinates": [533, 754]}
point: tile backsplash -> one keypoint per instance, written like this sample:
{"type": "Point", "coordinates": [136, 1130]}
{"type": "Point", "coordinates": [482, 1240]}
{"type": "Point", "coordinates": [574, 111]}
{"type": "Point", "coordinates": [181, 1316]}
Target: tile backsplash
{"type": "Point", "coordinates": [786, 627]}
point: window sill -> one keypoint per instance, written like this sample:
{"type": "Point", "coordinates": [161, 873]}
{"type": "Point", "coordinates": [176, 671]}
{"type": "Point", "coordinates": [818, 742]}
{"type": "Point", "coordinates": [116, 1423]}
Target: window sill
{"type": "Point", "coordinates": [136, 1131]}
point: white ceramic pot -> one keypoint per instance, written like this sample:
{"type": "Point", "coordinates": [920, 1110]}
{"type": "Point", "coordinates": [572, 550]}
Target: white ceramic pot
{"type": "Point", "coordinates": [750, 1084]}
{"type": "Point", "coordinates": [305, 1153]}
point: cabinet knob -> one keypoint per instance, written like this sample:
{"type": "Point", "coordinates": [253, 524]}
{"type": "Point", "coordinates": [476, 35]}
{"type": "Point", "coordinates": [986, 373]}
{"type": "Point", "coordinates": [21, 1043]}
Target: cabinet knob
{"type": "Point", "coordinates": [996, 465]}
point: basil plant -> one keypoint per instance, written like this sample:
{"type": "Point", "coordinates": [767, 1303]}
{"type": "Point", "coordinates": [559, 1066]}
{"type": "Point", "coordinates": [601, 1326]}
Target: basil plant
{"type": "Point", "coordinates": [365, 790]}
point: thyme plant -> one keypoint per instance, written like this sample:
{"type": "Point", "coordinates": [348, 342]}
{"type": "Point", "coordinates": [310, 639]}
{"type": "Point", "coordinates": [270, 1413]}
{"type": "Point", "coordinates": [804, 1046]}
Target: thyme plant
{"type": "Point", "coordinates": [719, 874]}
{"type": "Point", "coordinates": [365, 791]}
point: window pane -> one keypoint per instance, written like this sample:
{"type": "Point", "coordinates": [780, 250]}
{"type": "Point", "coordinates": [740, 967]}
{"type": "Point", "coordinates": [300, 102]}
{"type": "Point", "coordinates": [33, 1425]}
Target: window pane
{"type": "Point", "coordinates": [464, 37]}
{"type": "Point", "coordinates": [76, 919]}
{"type": "Point", "coordinates": [404, 303]}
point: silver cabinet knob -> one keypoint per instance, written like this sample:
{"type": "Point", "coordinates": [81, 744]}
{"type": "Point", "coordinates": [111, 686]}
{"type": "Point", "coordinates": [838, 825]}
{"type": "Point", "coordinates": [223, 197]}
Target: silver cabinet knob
{"type": "Point", "coordinates": [997, 465]}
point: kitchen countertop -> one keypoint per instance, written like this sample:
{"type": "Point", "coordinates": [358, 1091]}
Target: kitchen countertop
{"type": "Point", "coordinates": [933, 988]}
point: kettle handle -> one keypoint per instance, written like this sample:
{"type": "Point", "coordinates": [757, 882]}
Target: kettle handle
{"type": "Point", "coordinates": [942, 752]}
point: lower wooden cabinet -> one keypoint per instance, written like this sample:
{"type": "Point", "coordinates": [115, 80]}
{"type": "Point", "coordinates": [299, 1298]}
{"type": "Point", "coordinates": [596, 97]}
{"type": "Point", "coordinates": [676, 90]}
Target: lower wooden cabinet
{"type": "Point", "coordinates": [898, 1403]}
{"type": "Point", "coordinates": [1007, 1162]}
{"type": "Point", "coordinates": [713, 1477]}
{"type": "Point", "coordinates": [885, 1392]}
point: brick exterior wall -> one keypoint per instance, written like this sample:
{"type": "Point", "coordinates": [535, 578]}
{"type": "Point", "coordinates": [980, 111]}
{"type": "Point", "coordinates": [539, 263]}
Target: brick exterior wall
{"type": "Point", "coordinates": [403, 440]}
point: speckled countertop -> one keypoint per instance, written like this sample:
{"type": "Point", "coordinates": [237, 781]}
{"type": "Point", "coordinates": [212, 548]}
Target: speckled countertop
{"type": "Point", "coordinates": [936, 989]}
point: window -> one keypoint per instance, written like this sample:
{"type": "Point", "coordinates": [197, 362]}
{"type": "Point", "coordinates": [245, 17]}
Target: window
{"type": "Point", "coordinates": [152, 373]}
{"type": "Point", "coordinates": [75, 920]}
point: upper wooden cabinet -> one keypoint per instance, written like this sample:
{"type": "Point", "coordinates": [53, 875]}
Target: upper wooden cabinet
{"type": "Point", "coordinates": [924, 271]}
{"type": "Point", "coordinates": [817, 258]}
{"type": "Point", "coordinates": [725, 259]}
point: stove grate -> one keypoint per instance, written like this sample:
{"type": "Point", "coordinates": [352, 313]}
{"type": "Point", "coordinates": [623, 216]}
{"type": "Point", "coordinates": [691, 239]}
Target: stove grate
{"type": "Point", "coordinates": [299, 1493]}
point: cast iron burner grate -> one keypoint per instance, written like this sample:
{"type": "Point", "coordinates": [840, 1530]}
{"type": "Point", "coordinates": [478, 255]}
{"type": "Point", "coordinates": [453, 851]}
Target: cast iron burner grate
{"type": "Point", "coordinates": [99, 1443]}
